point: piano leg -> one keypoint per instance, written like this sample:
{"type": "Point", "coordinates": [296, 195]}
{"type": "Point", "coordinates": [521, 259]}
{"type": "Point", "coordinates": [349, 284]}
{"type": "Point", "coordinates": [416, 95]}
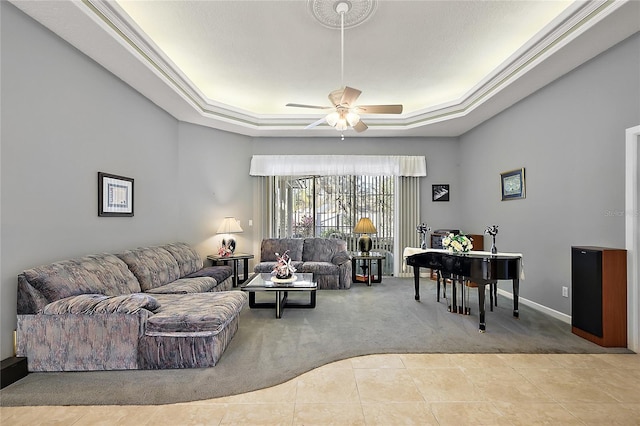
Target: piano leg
{"type": "Point", "coordinates": [453, 307]}
{"type": "Point", "coordinates": [493, 294]}
{"type": "Point", "coordinates": [482, 326]}
{"type": "Point", "coordinates": [416, 281]}
{"type": "Point", "coordinates": [516, 292]}
{"type": "Point", "coordinates": [438, 285]}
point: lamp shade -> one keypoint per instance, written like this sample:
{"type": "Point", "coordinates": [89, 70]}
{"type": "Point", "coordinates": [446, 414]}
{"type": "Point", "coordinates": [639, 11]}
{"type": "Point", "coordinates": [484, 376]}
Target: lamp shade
{"type": "Point", "coordinates": [229, 226]}
{"type": "Point", "coordinates": [365, 226]}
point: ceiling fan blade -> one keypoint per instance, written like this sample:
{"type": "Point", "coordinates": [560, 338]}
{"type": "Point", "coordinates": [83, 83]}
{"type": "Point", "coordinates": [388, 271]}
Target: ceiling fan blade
{"type": "Point", "coordinates": [308, 106]}
{"type": "Point", "coordinates": [360, 127]}
{"type": "Point", "coordinates": [335, 97]}
{"type": "Point", "coordinates": [349, 96]}
{"type": "Point", "coordinates": [316, 123]}
{"type": "Point", "coordinates": [380, 109]}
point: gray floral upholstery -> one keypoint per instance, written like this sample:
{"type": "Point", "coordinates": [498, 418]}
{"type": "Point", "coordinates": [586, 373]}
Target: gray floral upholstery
{"type": "Point", "coordinates": [80, 304]}
{"type": "Point", "coordinates": [90, 313]}
{"type": "Point", "coordinates": [153, 266]}
{"type": "Point", "coordinates": [100, 304]}
{"type": "Point", "coordinates": [269, 248]}
{"type": "Point", "coordinates": [97, 274]}
{"type": "Point", "coordinates": [79, 342]}
{"type": "Point", "coordinates": [186, 285]}
{"type": "Point", "coordinates": [199, 314]}
{"type": "Point", "coordinates": [188, 259]}
{"type": "Point", "coordinates": [326, 258]}
{"type": "Point", "coordinates": [185, 351]}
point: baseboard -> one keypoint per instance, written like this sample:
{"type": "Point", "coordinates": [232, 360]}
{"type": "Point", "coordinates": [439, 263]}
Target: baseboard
{"type": "Point", "coordinates": [13, 369]}
{"type": "Point", "coordinates": [538, 307]}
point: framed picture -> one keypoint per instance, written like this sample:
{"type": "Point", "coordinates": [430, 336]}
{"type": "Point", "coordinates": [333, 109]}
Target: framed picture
{"type": "Point", "coordinates": [512, 183]}
{"type": "Point", "coordinates": [115, 195]}
{"type": "Point", "coordinates": [440, 192]}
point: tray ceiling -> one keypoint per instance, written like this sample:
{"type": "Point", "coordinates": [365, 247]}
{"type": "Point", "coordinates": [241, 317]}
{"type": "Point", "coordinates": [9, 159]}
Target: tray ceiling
{"type": "Point", "coordinates": [234, 65]}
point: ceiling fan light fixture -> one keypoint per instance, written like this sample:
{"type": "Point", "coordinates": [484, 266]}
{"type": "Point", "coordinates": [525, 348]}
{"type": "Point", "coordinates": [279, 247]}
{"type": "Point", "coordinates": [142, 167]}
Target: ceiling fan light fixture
{"type": "Point", "coordinates": [352, 118]}
{"type": "Point", "coordinates": [341, 125]}
{"type": "Point", "coordinates": [332, 118]}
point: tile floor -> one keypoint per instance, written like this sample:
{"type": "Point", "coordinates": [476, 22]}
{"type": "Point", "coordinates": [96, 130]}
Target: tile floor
{"type": "Point", "coordinates": [409, 389]}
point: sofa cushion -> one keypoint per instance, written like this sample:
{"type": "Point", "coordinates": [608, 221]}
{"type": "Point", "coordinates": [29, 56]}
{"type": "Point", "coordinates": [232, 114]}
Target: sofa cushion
{"type": "Point", "coordinates": [322, 249]}
{"type": "Point", "coordinates": [80, 304]}
{"type": "Point", "coordinates": [101, 304]}
{"type": "Point", "coordinates": [218, 273]}
{"type": "Point", "coordinates": [188, 259]}
{"type": "Point", "coordinates": [98, 274]}
{"type": "Point", "coordinates": [153, 266]}
{"type": "Point", "coordinates": [267, 267]}
{"type": "Point", "coordinates": [320, 268]}
{"type": "Point", "coordinates": [127, 304]}
{"type": "Point", "coordinates": [201, 314]}
{"type": "Point", "coordinates": [186, 285]}
{"type": "Point", "coordinates": [271, 246]}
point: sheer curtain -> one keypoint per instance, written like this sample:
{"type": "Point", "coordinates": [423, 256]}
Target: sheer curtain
{"type": "Point", "coordinates": [407, 218]}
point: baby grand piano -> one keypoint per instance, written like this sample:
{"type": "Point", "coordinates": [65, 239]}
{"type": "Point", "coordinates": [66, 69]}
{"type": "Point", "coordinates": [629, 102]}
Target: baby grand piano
{"type": "Point", "coordinates": [482, 268]}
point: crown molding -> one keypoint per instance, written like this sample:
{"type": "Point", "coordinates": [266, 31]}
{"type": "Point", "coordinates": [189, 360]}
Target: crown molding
{"type": "Point", "coordinates": [178, 95]}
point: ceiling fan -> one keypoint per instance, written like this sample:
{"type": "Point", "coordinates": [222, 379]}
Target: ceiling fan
{"type": "Point", "coordinates": [345, 113]}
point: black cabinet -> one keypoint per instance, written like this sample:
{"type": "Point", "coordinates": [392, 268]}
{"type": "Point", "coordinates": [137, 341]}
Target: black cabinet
{"type": "Point", "coordinates": [599, 295]}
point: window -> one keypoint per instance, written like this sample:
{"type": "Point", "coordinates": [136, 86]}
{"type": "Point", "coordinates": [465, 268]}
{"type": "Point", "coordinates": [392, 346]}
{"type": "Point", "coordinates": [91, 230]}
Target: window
{"type": "Point", "coordinates": [330, 206]}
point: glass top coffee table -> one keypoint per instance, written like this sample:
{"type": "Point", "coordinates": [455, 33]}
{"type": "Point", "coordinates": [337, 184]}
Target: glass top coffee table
{"type": "Point", "coordinates": [266, 282]}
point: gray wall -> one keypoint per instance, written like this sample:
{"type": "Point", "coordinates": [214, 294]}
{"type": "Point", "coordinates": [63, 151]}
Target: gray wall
{"type": "Point", "coordinates": [62, 126]}
{"type": "Point", "coordinates": [570, 137]}
{"type": "Point", "coordinates": [214, 183]}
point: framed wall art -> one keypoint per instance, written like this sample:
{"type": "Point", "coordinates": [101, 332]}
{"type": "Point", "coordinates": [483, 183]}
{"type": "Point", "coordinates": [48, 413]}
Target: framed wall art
{"type": "Point", "coordinates": [115, 195]}
{"type": "Point", "coordinates": [513, 185]}
{"type": "Point", "coordinates": [440, 192]}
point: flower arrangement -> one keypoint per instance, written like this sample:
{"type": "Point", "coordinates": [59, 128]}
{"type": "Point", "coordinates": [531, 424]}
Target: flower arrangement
{"type": "Point", "coordinates": [457, 243]}
{"type": "Point", "coordinates": [283, 268]}
{"type": "Point", "coordinates": [224, 251]}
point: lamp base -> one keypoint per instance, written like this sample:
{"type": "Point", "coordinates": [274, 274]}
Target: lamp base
{"type": "Point", "coordinates": [230, 244]}
{"type": "Point", "coordinates": [365, 244]}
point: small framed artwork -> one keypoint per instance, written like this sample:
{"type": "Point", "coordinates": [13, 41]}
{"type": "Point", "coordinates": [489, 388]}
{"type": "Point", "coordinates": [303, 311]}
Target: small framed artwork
{"type": "Point", "coordinates": [115, 195]}
{"type": "Point", "coordinates": [513, 186]}
{"type": "Point", "coordinates": [440, 192]}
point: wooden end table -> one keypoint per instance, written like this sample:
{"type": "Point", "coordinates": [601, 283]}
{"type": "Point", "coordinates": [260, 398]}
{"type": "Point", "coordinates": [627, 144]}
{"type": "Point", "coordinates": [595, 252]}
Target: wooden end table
{"type": "Point", "coordinates": [235, 258]}
{"type": "Point", "coordinates": [366, 259]}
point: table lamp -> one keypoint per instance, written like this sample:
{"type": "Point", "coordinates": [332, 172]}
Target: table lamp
{"type": "Point", "coordinates": [364, 227]}
{"type": "Point", "coordinates": [229, 226]}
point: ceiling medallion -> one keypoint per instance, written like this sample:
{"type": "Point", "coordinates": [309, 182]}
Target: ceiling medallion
{"type": "Point", "coordinates": [325, 12]}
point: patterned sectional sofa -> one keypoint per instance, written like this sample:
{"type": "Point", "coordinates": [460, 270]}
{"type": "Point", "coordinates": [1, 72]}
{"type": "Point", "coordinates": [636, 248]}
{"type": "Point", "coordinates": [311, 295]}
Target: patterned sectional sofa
{"type": "Point", "coordinates": [148, 308]}
{"type": "Point", "coordinates": [326, 258]}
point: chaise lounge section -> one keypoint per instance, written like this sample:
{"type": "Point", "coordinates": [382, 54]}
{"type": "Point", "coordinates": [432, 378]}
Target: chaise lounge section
{"type": "Point", "coordinates": [326, 258]}
{"type": "Point", "coordinates": [148, 308]}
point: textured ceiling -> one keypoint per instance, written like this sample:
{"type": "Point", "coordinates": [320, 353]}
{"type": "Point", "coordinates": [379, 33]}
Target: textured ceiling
{"type": "Point", "coordinates": [234, 65]}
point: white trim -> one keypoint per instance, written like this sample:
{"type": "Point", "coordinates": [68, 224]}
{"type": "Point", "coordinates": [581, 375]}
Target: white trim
{"type": "Point", "coordinates": [631, 237]}
{"type": "Point", "coordinates": [338, 165]}
{"type": "Point", "coordinates": [538, 307]}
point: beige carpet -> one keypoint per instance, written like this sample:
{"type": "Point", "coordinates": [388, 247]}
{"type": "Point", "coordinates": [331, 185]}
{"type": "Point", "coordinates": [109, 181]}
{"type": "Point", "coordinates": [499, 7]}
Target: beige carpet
{"type": "Point", "coordinates": [383, 318]}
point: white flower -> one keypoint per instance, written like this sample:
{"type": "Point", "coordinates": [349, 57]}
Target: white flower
{"type": "Point", "coordinates": [457, 243]}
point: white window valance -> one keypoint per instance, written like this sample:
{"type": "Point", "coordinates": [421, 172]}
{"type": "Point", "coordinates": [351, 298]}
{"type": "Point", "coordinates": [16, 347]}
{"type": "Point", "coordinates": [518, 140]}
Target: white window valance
{"type": "Point", "coordinates": [337, 165]}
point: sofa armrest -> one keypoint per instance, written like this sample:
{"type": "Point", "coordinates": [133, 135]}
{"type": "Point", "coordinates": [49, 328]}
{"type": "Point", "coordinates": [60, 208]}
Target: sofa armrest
{"type": "Point", "coordinates": [81, 342]}
{"type": "Point", "coordinates": [340, 258]}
